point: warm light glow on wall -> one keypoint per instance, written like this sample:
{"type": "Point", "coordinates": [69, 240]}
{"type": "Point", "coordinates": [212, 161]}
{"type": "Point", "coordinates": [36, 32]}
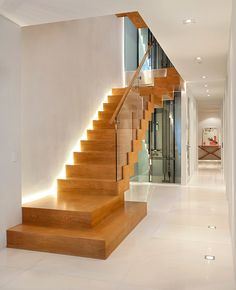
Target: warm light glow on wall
{"type": "Point", "coordinates": [185, 86]}
{"type": "Point", "coordinates": [52, 191]}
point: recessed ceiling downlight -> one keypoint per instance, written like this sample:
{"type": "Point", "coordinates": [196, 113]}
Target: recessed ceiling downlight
{"type": "Point", "coordinates": [204, 77]}
{"type": "Point", "coordinates": [206, 85]}
{"type": "Point", "coordinates": [208, 95]}
{"type": "Point", "coordinates": [212, 227]}
{"type": "Point", "coordinates": [189, 21]}
{"type": "Point", "coordinates": [210, 258]}
{"type": "Point", "coordinates": [198, 59]}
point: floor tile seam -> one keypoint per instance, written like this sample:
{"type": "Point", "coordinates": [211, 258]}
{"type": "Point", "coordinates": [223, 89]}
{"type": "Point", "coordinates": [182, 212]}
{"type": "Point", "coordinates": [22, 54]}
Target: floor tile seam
{"type": "Point", "coordinates": [191, 240]}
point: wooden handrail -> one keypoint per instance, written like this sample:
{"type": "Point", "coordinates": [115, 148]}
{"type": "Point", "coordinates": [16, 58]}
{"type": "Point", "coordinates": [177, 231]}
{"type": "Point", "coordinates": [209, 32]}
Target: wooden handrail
{"type": "Point", "coordinates": [128, 89]}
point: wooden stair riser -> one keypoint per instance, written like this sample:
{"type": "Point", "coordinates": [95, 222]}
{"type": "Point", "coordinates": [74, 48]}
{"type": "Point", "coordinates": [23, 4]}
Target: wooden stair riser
{"type": "Point", "coordinates": [137, 145]}
{"type": "Point", "coordinates": [128, 171]}
{"type": "Point", "coordinates": [150, 106]}
{"type": "Point", "coordinates": [105, 115]}
{"type": "Point", "coordinates": [132, 157]}
{"type": "Point", "coordinates": [38, 241]}
{"type": "Point", "coordinates": [171, 71]}
{"type": "Point", "coordinates": [158, 101]}
{"type": "Point", "coordinates": [101, 124]}
{"type": "Point", "coordinates": [169, 84]}
{"type": "Point", "coordinates": [146, 91]}
{"type": "Point", "coordinates": [109, 107]}
{"type": "Point", "coordinates": [114, 99]}
{"type": "Point", "coordinates": [103, 134]}
{"type": "Point", "coordinates": [68, 219]}
{"type": "Point", "coordinates": [147, 115]}
{"type": "Point", "coordinates": [96, 157]}
{"type": "Point", "coordinates": [118, 91]}
{"type": "Point", "coordinates": [148, 112]}
{"type": "Point", "coordinates": [144, 124]}
{"type": "Point", "coordinates": [88, 187]}
{"type": "Point", "coordinates": [125, 114]}
{"type": "Point", "coordinates": [98, 145]}
{"type": "Point", "coordinates": [91, 171]}
{"type": "Point", "coordinates": [141, 134]}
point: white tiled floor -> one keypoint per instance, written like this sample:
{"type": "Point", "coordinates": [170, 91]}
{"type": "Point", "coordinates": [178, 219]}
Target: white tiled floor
{"type": "Point", "coordinates": [166, 251]}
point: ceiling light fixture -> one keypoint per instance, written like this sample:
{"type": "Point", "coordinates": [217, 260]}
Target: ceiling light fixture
{"type": "Point", "coordinates": [207, 91]}
{"type": "Point", "coordinates": [198, 59]}
{"type": "Point", "coordinates": [212, 227]}
{"type": "Point", "coordinates": [208, 95]}
{"type": "Point", "coordinates": [209, 257]}
{"type": "Point", "coordinates": [206, 85]}
{"type": "Point", "coordinates": [204, 77]}
{"type": "Point", "coordinates": [189, 21]}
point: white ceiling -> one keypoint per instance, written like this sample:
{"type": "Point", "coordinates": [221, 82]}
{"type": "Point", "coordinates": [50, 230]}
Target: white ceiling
{"type": "Point", "coordinates": [208, 37]}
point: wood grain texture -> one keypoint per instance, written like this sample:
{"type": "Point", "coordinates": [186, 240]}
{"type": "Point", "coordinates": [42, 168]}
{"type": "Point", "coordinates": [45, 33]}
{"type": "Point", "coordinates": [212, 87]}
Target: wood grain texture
{"type": "Point", "coordinates": [91, 186]}
{"type": "Point", "coordinates": [135, 17]}
{"type": "Point", "coordinates": [94, 157]}
{"type": "Point", "coordinates": [93, 171]}
{"type": "Point", "coordinates": [70, 210]}
{"type": "Point", "coordinates": [96, 242]}
{"type": "Point", "coordinates": [98, 145]}
{"type": "Point", "coordinates": [102, 134]}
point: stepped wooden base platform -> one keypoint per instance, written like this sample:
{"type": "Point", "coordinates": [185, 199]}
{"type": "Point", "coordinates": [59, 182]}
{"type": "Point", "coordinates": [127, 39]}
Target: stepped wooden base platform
{"type": "Point", "coordinates": [94, 242]}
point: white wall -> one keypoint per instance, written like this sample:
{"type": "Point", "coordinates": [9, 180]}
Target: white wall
{"type": "Point", "coordinates": [230, 130]}
{"type": "Point", "coordinates": [193, 128]}
{"type": "Point", "coordinates": [184, 136]}
{"type": "Point", "coordinates": [67, 70]}
{"type": "Point", "coordinates": [189, 134]}
{"type": "Point", "coordinates": [10, 179]}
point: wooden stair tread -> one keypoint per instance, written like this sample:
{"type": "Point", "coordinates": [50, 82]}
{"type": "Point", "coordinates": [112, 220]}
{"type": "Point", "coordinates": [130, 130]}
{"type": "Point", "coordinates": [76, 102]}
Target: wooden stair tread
{"type": "Point", "coordinates": [79, 202]}
{"type": "Point", "coordinates": [97, 242]}
{"type": "Point", "coordinates": [90, 179]}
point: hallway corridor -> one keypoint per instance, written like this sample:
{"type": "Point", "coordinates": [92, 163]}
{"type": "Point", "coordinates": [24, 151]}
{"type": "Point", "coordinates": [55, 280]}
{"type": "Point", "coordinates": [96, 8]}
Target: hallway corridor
{"type": "Point", "coordinates": [166, 251]}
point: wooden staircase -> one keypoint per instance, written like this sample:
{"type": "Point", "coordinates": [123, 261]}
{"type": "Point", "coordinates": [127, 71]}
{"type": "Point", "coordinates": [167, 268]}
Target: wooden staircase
{"type": "Point", "coordinates": [89, 216]}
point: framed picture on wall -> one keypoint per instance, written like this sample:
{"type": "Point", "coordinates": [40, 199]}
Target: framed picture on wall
{"type": "Point", "coordinates": [210, 137]}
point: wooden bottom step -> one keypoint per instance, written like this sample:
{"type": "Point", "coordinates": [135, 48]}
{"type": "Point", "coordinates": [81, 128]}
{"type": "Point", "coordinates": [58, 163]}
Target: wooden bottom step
{"type": "Point", "coordinates": [70, 210]}
{"type": "Point", "coordinates": [97, 242]}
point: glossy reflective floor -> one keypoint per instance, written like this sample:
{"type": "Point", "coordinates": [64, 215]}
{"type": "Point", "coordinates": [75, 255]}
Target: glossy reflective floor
{"type": "Point", "coordinates": [166, 251]}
